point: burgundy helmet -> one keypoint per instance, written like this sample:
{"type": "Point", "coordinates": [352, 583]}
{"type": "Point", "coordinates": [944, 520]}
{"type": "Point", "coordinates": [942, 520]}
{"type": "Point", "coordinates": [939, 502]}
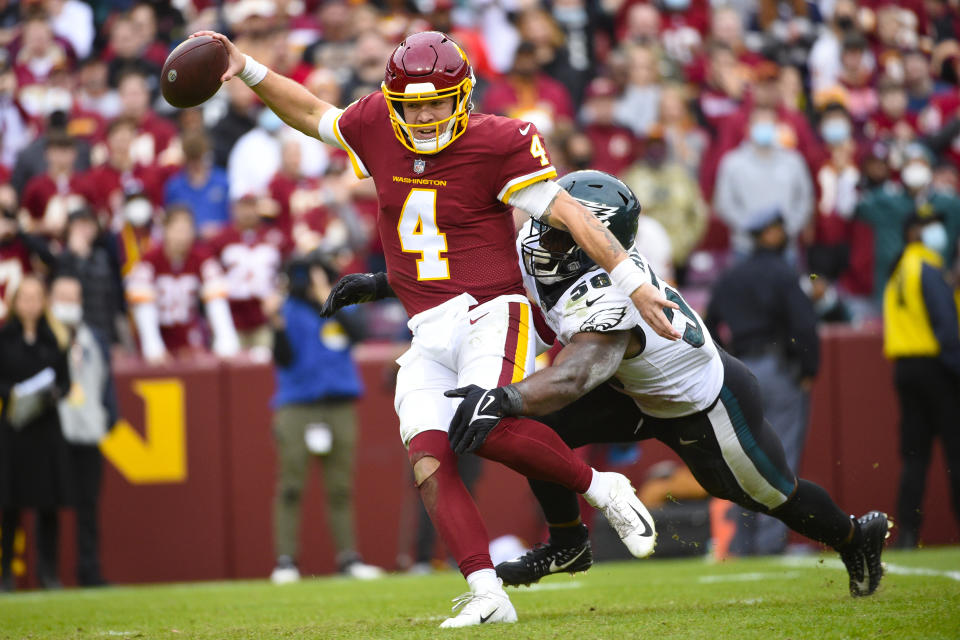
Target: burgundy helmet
{"type": "Point", "coordinates": [428, 66]}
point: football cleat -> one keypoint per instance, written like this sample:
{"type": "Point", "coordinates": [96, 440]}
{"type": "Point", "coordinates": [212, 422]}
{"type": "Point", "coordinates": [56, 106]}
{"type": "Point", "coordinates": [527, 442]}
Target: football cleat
{"type": "Point", "coordinates": [544, 560]}
{"type": "Point", "coordinates": [627, 515]}
{"type": "Point", "coordinates": [863, 560]}
{"type": "Point", "coordinates": [484, 607]}
{"type": "Point", "coordinates": [362, 571]}
{"type": "Point", "coordinates": [286, 571]}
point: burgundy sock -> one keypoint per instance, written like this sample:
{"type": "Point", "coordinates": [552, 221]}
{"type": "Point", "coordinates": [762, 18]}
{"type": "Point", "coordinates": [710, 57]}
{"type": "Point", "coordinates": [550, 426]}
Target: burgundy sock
{"type": "Point", "coordinates": [450, 505]}
{"type": "Point", "coordinates": [536, 451]}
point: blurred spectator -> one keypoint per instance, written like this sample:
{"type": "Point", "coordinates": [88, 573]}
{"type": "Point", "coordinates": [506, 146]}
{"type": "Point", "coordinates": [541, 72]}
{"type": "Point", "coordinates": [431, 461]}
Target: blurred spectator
{"type": "Point", "coordinates": [165, 290]}
{"type": "Point", "coordinates": [820, 287]}
{"type": "Point", "coordinates": [824, 58]}
{"type": "Point", "coordinates": [33, 453]}
{"type": "Point", "coordinates": [787, 29]}
{"type": "Point", "coordinates": [892, 123]}
{"type": "Point", "coordinates": [725, 86]}
{"type": "Point", "coordinates": [241, 117]}
{"type": "Point", "coordinates": [837, 183]}
{"type": "Point", "coordinates": [726, 30]}
{"type": "Point", "coordinates": [686, 142]}
{"type": "Point", "coordinates": [39, 51]}
{"type": "Point", "coordinates": [154, 133]}
{"type": "Point", "coordinates": [671, 196]}
{"type": "Point", "coordinates": [143, 16]}
{"type": "Point", "coordinates": [13, 121]}
{"type": "Point", "coordinates": [369, 52]}
{"type": "Point", "coordinates": [568, 66]}
{"type": "Point", "coordinates": [529, 94]}
{"type": "Point", "coordinates": [760, 175]}
{"type": "Point", "coordinates": [682, 26]}
{"type": "Point", "coordinates": [93, 91]}
{"type": "Point", "coordinates": [109, 183]}
{"type": "Point", "coordinates": [613, 145]}
{"type": "Point", "coordinates": [921, 337]}
{"type": "Point", "coordinates": [314, 414]}
{"type": "Point", "coordinates": [763, 318]}
{"type": "Point", "coordinates": [124, 53]}
{"type": "Point", "coordinates": [137, 231]}
{"type": "Point", "coordinates": [201, 186]}
{"type": "Point", "coordinates": [19, 252]}
{"type": "Point", "coordinates": [639, 106]}
{"type": "Point", "coordinates": [886, 209]}
{"type": "Point", "coordinates": [87, 413]}
{"type": "Point", "coordinates": [250, 252]}
{"type": "Point", "coordinates": [917, 79]}
{"type": "Point", "coordinates": [96, 269]}
{"type": "Point", "coordinates": [856, 78]}
{"type": "Point", "coordinates": [73, 21]}
{"type": "Point", "coordinates": [50, 196]}
{"type": "Point", "coordinates": [32, 160]}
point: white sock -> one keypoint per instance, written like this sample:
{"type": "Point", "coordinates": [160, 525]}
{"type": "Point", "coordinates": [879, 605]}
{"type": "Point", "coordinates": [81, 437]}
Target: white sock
{"type": "Point", "coordinates": [484, 580]}
{"type": "Point", "coordinates": [599, 492]}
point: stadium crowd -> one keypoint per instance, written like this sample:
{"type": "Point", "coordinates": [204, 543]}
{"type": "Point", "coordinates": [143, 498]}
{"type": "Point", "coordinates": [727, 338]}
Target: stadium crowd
{"type": "Point", "coordinates": [840, 115]}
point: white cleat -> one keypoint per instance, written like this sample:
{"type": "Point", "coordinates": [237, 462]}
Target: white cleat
{"type": "Point", "coordinates": [285, 575]}
{"type": "Point", "coordinates": [481, 608]}
{"type": "Point", "coordinates": [627, 515]}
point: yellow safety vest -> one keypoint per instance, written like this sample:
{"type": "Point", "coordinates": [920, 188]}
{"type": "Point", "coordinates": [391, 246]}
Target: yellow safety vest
{"type": "Point", "coordinates": [907, 331]}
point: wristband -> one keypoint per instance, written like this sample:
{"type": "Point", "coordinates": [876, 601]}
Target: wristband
{"type": "Point", "coordinates": [628, 277]}
{"type": "Point", "coordinates": [253, 72]}
{"type": "Point", "coordinates": [512, 403]}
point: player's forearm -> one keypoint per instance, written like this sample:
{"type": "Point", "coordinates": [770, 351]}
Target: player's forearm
{"type": "Point", "coordinates": [590, 234]}
{"type": "Point", "coordinates": [292, 102]}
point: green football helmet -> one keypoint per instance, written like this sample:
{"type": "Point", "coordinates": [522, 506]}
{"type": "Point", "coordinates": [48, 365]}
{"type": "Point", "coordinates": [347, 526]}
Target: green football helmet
{"type": "Point", "coordinates": [551, 255]}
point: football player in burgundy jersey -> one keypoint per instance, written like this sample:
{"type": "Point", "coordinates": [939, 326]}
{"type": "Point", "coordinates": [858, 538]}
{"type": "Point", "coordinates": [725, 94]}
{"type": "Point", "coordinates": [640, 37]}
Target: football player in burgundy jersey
{"type": "Point", "coordinates": [164, 289]}
{"type": "Point", "coordinates": [446, 181]}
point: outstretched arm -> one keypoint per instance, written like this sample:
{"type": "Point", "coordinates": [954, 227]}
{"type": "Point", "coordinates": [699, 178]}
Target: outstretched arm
{"type": "Point", "coordinates": [291, 101]}
{"type": "Point", "coordinates": [604, 248]}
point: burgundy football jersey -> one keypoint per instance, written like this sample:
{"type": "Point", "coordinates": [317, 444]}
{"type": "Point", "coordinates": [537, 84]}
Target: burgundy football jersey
{"type": "Point", "coordinates": [51, 201]}
{"type": "Point", "coordinates": [444, 223]}
{"type": "Point", "coordinates": [107, 186]}
{"type": "Point", "coordinates": [14, 264]}
{"type": "Point", "coordinates": [177, 291]}
{"type": "Point", "coordinates": [251, 260]}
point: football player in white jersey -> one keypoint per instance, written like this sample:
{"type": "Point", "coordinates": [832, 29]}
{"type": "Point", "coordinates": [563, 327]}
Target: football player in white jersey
{"type": "Point", "coordinates": [616, 380]}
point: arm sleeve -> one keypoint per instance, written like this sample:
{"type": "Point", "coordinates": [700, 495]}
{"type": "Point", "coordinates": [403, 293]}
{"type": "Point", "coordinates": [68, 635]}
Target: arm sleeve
{"type": "Point", "coordinates": [524, 159]}
{"type": "Point", "coordinates": [535, 199]}
{"type": "Point", "coordinates": [148, 328]}
{"type": "Point", "coordinates": [225, 340]}
{"type": "Point", "coordinates": [942, 310]}
{"type": "Point", "coordinates": [38, 247]}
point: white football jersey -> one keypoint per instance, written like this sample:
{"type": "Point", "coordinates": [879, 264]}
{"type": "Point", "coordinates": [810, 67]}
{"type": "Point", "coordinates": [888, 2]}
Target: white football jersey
{"type": "Point", "coordinates": [667, 379]}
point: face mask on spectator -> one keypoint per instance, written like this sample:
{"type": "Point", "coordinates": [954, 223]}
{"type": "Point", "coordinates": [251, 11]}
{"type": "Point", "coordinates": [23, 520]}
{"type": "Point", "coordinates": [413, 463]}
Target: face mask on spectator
{"type": "Point", "coordinates": [138, 212]}
{"type": "Point", "coordinates": [269, 121]}
{"type": "Point", "coordinates": [676, 5]}
{"type": "Point", "coordinates": [68, 313]}
{"type": "Point", "coordinates": [934, 237]}
{"type": "Point", "coordinates": [916, 175]}
{"type": "Point", "coordinates": [763, 133]}
{"type": "Point", "coordinates": [835, 131]}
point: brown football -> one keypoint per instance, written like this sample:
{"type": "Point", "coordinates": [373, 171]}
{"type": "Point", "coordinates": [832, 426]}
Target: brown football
{"type": "Point", "coordinates": [192, 71]}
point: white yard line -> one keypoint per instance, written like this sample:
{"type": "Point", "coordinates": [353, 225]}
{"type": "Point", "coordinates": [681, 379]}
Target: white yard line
{"type": "Point", "coordinates": [748, 577]}
{"type": "Point", "coordinates": [554, 586]}
{"type": "Point", "coordinates": [891, 568]}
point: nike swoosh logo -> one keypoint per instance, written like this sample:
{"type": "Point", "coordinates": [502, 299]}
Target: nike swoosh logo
{"type": "Point", "coordinates": [524, 130]}
{"type": "Point", "coordinates": [554, 567]}
{"type": "Point", "coordinates": [474, 320]}
{"type": "Point", "coordinates": [647, 531]}
{"type": "Point", "coordinates": [486, 403]}
{"type": "Point", "coordinates": [682, 441]}
{"type": "Point", "coordinates": [488, 616]}
{"type": "Point", "coordinates": [590, 302]}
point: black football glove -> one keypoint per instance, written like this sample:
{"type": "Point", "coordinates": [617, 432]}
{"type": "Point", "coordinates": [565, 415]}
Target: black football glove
{"type": "Point", "coordinates": [475, 418]}
{"type": "Point", "coordinates": [355, 288]}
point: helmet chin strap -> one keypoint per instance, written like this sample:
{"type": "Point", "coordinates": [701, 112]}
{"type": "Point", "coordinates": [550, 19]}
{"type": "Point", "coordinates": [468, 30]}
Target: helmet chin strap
{"type": "Point", "coordinates": [431, 144]}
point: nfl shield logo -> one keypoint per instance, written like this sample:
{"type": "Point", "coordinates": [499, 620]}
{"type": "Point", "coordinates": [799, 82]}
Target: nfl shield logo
{"type": "Point", "coordinates": [419, 165]}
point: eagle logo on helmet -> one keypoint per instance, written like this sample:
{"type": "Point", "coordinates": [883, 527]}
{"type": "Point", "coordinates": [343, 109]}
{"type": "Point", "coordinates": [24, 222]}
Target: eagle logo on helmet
{"type": "Point", "coordinates": [428, 66]}
{"type": "Point", "coordinates": [603, 211]}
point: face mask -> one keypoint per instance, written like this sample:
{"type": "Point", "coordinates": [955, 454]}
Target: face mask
{"type": "Point", "coordinates": [835, 131]}
{"type": "Point", "coordinates": [762, 133]}
{"type": "Point", "coordinates": [916, 175]}
{"type": "Point", "coordinates": [138, 212]}
{"type": "Point", "coordinates": [934, 237]}
{"type": "Point", "coordinates": [68, 313]}
{"type": "Point", "coordinates": [573, 16]}
{"type": "Point", "coordinates": [269, 121]}
{"type": "Point", "coordinates": [676, 5]}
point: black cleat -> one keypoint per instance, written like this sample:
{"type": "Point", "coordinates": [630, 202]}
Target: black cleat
{"type": "Point", "coordinates": [863, 560]}
{"type": "Point", "coordinates": [544, 560]}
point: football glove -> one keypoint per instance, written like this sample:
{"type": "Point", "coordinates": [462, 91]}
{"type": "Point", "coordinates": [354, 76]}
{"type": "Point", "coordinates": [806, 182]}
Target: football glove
{"type": "Point", "coordinates": [355, 288]}
{"type": "Point", "coordinates": [475, 418]}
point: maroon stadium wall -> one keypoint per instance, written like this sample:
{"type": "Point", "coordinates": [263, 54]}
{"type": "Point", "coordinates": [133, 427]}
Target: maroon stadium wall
{"type": "Point", "coordinates": [189, 478]}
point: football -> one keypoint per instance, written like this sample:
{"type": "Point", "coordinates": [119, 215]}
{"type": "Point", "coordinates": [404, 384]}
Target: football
{"type": "Point", "coordinates": [192, 71]}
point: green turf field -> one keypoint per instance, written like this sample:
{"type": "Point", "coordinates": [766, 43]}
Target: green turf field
{"type": "Point", "coordinates": [763, 598]}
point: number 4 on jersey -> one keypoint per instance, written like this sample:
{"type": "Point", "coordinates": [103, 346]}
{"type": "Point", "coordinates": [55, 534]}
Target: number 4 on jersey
{"type": "Point", "coordinates": [419, 234]}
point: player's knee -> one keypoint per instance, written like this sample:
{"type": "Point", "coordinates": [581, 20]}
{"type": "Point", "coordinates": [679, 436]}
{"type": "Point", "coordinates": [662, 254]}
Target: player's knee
{"type": "Point", "coordinates": [424, 468]}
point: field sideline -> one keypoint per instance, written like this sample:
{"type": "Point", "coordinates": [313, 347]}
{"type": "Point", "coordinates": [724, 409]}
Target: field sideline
{"type": "Point", "coordinates": [794, 597]}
